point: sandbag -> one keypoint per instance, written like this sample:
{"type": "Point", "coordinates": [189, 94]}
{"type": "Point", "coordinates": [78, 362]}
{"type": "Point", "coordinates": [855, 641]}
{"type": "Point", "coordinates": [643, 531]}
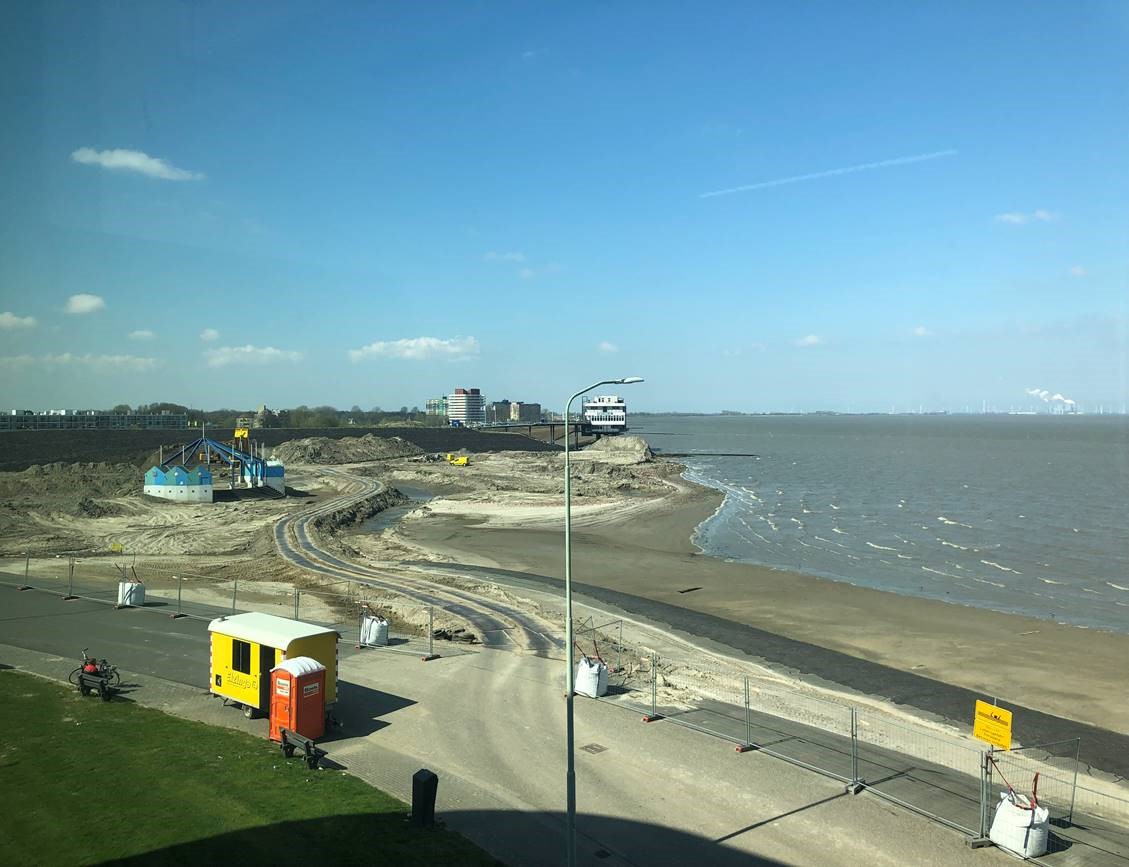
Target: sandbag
{"type": "Point", "coordinates": [591, 678]}
{"type": "Point", "coordinates": [1019, 826]}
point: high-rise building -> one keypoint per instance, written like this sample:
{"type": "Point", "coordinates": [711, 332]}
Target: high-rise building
{"type": "Point", "coordinates": [466, 405]}
{"type": "Point", "coordinates": [437, 405]}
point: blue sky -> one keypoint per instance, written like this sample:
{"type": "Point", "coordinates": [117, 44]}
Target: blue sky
{"type": "Point", "coordinates": [375, 203]}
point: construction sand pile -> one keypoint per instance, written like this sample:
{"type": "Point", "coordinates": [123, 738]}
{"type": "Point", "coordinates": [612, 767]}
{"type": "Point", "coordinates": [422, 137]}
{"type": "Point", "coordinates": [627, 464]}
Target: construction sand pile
{"type": "Point", "coordinates": [620, 450]}
{"type": "Point", "coordinates": [347, 450]}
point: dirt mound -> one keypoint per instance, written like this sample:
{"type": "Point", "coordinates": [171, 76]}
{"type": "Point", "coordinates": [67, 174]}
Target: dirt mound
{"type": "Point", "coordinates": [72, 481]}
{"type": "Point", "coordinates": [347, 450]}
{"type": "Point", "coordinates": [620, 450]}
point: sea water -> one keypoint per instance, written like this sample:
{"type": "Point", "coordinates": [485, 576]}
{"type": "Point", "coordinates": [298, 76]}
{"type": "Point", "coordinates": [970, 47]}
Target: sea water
{"type": "Point", "coordinates": [1026, 514]}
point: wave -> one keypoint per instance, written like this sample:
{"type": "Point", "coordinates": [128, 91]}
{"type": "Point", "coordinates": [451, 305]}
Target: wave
{"type": "Point", "coordinates": [953, 545]}
{"type": "Point", "coordinates": [798, 522]}
{"type": "Point", "coordinates": [880, 547]}
{"type": "Point", "coordinates": [950, 523]}
{"type": "Point", "coordinates": [833, 506]}
{"type": "Point", "coordinates": [939, 572]}
{"type": "Point", "coordinates": [986, 581]}
{"type": "Point", "coordinates": [995, 565]}
{"type": "Point", "coordinates": [1051, 581]}
{"type": "Point", "coordinates": [1117, 586]}
{"type": "Point", "coordinates": [840, 532]}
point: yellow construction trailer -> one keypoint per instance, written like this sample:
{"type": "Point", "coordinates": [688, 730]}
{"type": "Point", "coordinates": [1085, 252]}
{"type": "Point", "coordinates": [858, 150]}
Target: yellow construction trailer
{"type": "Point", "coordinates": [457, 460]}
{"type": "Point", "coordinates": [245, 647]}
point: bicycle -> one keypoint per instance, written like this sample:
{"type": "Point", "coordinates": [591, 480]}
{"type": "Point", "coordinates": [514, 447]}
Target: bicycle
{"type": "Point", "coordinates": [99, 667]}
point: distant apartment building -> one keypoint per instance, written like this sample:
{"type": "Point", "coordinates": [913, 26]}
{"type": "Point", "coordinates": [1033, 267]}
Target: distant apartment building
{"type": "Point", "coordinates": [527, 413]}
{"type": "Point", "coordinates": [437, 405]}
{"type": "Point", "coordinates": [498, 412]}
{"type": "Point", "coordinates": [467, 406]}
{"type": "Point", "coordinates": [89, 419]}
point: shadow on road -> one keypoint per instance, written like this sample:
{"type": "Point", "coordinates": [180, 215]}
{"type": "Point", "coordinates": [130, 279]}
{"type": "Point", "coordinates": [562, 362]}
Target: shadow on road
{"type": "Point", "coordinates": [525, 838]}
{"type": "Point", "coordinates": [360, 711]}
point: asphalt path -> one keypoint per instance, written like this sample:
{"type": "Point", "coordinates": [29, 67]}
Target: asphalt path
{"type": "Point", "coordinates": [1100, 748]}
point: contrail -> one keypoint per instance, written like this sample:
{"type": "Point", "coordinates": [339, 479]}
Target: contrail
{"type": "Point", "coordinates": [899, 161]}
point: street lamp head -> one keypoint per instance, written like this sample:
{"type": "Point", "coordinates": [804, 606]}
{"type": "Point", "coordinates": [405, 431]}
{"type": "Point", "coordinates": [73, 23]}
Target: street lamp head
{"type": "Point", "coordinates": [627, 380]}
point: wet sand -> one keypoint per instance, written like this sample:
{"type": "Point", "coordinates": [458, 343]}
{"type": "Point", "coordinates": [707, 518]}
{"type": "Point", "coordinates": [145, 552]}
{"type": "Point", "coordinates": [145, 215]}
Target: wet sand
{"type": "Point", "coordinates": [1065, 671]}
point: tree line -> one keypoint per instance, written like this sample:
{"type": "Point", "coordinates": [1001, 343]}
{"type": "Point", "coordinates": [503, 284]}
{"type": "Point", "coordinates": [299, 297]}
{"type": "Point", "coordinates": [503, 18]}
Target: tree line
{"type": "Point", "coordinates": [298, 417]}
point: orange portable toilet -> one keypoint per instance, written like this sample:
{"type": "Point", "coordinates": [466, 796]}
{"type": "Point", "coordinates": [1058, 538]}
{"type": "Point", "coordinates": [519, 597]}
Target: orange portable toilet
{"type": "Point", "coordinates": [297, 698]}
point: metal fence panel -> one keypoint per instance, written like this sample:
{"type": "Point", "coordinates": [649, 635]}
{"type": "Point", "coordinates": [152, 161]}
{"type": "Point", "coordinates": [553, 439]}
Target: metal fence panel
{"type": "Point", "coordinates": [932, 773]}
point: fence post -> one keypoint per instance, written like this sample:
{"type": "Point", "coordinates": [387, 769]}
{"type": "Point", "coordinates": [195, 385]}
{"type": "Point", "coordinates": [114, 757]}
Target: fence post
{"type": "Point", "coordinates": [234, 590]}
{"type": "Point", "coordinates": [981, 840]}
{"type": "Point", "coordinates": [855, 785]}
{"type": "Point", "coordinates": [1074, 784]}
{"type": "Point", "coordinates": [297, 593]}
{"type": "Point", "coordinates": [654, 714]}
{"type": "Point", "coordinates": [179, 592]}
{"type": "Point", "coordinates": [748, 744]}
{"type": "Point", "coordinates": [70, 580]}
{"type": "Point", "coordinates": [27, 566]}
{"type": "Point", "coordinates": [431, 654]}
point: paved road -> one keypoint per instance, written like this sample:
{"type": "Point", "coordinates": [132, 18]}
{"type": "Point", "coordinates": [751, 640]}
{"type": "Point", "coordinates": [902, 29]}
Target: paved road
{"type": "Point", "coordinates": [491, 725]}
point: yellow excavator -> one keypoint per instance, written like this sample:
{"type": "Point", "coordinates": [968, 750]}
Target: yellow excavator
{"type": "Point", "coordinates": [457, 460]}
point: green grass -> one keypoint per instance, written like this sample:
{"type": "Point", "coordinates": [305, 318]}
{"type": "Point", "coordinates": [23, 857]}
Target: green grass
{"type": "Point", "coordinates": [84, 781]}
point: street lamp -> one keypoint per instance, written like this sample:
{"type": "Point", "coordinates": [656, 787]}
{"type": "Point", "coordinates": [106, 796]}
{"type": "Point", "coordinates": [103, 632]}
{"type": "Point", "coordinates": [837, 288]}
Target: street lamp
{"type": "Point", "coordinates": [570, 775]}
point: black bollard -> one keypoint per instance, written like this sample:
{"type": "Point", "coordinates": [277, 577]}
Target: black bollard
{"type": "Point", "coordinates": [424, 786]}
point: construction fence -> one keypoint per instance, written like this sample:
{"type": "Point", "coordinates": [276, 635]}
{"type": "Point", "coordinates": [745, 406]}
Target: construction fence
{"type": "Point", "coordinates": [931, 769]}
{"type": "Point", "coordinates": [411, 627]}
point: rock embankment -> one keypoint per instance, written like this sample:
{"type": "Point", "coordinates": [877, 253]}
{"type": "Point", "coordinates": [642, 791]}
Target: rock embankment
{"type": "Point", "coordinates": [347, 450]}
{"type": "Point", "coordinates": [355, 514]}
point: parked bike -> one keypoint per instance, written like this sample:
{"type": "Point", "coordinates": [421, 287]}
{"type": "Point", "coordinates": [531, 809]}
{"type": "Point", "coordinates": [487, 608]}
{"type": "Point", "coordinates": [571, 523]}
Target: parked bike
{"type": "Point", "coordinates": [98, 667]}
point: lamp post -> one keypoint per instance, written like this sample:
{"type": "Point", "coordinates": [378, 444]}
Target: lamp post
{"type": "Point", "coordinates": [570, 774]}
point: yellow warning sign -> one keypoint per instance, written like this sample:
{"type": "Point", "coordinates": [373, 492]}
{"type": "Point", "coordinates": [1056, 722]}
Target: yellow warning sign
{"type": "Point", "coordinates": [241, 433]}
{"type": "Point", "coordinates": [992, 724]}
{"type": "Point", "coordinates": [117, 548]}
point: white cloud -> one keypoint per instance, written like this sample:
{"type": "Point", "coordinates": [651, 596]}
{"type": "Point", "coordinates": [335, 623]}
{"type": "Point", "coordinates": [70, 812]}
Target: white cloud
{"type": "Point", "coordinates": [225, 355]}
{"type": "Point", "coordinates": [419, 349]}
{"type": "Point", "coordinates": [921, 331]}
{"type": "Point", "coordinates": [527, 273]}
{"type": "Point", "coordinates": [1018, 218]}
{"type": "Point", "coordinates": [101, 363]}
{"type": "Point", "coordinates": [809, 340]}
{"type": "Point", "coordinates": [1078, 271]}
{"type": "Point", "coordinates": [607, 346]}
{"type": "Point", "coordinates": [133, 161]}
{"type": "Point", "coordinates": [83, 303]}
{"type": "Point", "coordinates": [11, 322]}
{"type": "Point", "coordinates": [209, 334]}
{"type": "Point", "coordinates": [493, 256]}
{"type": "Point", "coordinates": [142, 334]}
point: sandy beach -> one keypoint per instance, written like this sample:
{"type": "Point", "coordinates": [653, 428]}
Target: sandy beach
{"type": "Point", "coordinates": [642, 546]}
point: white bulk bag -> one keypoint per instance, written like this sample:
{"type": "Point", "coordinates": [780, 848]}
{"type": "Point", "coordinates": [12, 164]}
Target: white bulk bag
{"type": "Point", "coordinates": [374, 630]}
{"type": "Point", "coordinates": [591, 678]}
{"type": "Point", "coordinates": [1019, 827]}
{"type": "Point", "coordinates": [131, 593]}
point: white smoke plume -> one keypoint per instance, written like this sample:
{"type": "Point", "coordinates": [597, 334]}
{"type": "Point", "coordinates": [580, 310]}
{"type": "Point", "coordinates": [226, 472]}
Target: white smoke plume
{"type": "Point", "coordinates": [1046, 397]}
